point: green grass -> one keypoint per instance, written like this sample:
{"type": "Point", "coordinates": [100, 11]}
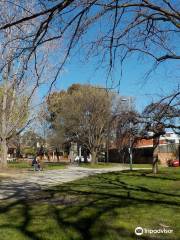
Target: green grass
{"type": "Point", "coordinates": [51, 166]}
{"type": "Point", "coordinates": [27, 165]}
{"type": "Point", "coordinates": [140, 165]}
{"type": "Point", "coordinates": [101, 207]}
{"type": "Point", "coordinates": [99, 165]}
{"type": "Point", "coordinates": [107, 165]}
{"type": "Point", "coordinates": [19, 165]}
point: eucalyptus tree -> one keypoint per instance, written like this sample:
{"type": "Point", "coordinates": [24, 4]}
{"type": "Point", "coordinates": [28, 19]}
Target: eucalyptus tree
{"type": "Point", "coordinates": [82, 116]}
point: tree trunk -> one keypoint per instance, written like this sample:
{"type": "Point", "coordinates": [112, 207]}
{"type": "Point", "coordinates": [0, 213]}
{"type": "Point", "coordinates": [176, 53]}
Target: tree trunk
{"type": "Point", "coordinates": [107, 143]}
{"type": "Point", "coordinates": [85, 156]}
{"type": "Point", "coordinates": [94, 156]}
{"type": "Point", "coordinates": [155, 164]}
{"type": "Point", "coordinates": [4, 128]}
{"type": "Point", "coordinates": [18, 151]}
{"type": "Point", "coordinates": [179, 152]}
{"type": "Point", "coordinates": [4, 150]}
{"type": "Point", "coordinates": [57, 155]}
{"type": "Point", "coordinates": [155, 155]}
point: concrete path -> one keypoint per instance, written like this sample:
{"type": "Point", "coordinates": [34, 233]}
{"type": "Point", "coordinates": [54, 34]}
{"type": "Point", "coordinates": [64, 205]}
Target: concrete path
{"type": "Point", "coordinates": [29, 184]}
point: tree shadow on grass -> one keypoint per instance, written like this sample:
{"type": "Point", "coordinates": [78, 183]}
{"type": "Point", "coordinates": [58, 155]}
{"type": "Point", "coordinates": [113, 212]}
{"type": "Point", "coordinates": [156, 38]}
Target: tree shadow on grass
{"type": "Point", "coordinates": [86, 209]}
{"type": "Point", "coordinates": [118, 182]}
{"type": "Point", "coordinates": [95, 226]}
{"type": "Point", "coordinates": [162, 175]}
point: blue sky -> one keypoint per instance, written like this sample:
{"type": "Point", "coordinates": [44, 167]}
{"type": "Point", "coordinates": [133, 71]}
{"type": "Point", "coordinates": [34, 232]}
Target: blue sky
{"type": "Point", "coordinates": [161, 82]}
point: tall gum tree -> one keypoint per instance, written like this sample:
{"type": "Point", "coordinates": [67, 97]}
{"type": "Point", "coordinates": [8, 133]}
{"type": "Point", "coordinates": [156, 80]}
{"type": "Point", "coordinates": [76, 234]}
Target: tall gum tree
{"type": "Point", "coordinates": [82, 116]}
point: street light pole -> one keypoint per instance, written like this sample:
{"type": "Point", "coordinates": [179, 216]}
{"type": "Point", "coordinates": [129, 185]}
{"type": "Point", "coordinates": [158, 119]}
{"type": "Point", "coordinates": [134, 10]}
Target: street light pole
{"type": "Point", "coordinates": [130, 147]}
{"type": "Point", "coordinates": [130, 127]}
{"type": "Point", "coordinates": [130, 138]}
{"type": "Point", "coordinates": [107, 143]}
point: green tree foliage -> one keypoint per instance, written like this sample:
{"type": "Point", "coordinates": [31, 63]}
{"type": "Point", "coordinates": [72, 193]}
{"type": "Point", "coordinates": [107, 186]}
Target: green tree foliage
{"type": "Point", "coordinates": [81, 115]}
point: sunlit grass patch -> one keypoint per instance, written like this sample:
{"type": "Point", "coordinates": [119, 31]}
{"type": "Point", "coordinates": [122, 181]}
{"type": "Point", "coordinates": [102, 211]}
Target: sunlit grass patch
{"type": "Point", "coordinates": [102, 207]}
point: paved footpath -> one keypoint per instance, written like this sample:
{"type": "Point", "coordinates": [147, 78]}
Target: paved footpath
{"type": "Point", "coordinates": [30, 183]}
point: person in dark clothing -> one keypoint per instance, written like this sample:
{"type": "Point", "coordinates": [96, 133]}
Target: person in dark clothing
{"type": "Point", "coordinates": [34, 161]}
{"type": "Point", "coordinates": [35, 164]}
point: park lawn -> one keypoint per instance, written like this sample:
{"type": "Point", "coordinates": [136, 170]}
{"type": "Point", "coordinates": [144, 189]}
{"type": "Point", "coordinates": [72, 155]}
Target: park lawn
{"type": "Point", "coordinates": [54, 166]}
{"type": "Point", "coordinates": [100, 165]}
{"type": "Point", "coordinates": [101, 207]}
{"type": "Point", "coordinates": [108, 165]}
{"type": "Point", "coordinates": [27, 165]}
{"type": "Point", "coordinates": [145, 165]}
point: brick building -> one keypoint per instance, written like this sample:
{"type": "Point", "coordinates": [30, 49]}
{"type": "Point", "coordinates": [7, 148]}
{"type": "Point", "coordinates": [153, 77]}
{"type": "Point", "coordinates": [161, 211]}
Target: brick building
{"type": "Point", "coordinates": [168, 149]}
{"type": "Point", "coordinates": [143, 150]}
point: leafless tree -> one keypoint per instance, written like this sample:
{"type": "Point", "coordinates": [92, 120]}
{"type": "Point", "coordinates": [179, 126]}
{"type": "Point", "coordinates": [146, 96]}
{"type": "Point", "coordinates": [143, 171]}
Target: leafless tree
{"type": "Point", "coordinates": [157, 118]}
{"type": "Point", "coordinates": [127, 130]}
{"type": "Point", "coordinates": [110, 29]}
{"type": "Point", "coordinates": [19, 78]}
{"type": "Point", "coordinates": [153, 123]}
{"type": "Point", "coordinates": [119, 27]}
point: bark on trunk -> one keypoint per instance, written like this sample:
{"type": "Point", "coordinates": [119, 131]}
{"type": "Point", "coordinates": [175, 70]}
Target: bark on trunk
{"type": "Point", "coordinates": [155, 164]}
{"type": "Point", "coordinates": [179, 152]}
{"type": "Point", "coordinates": [94, 157]}
{"type": "Point", "coordinates": [57, 155]}
{"type": "Point", "coordinates": [4, 128]}
{"type": "Point", "coordinates": [155, 155]}
{"type": "Point", "coordinates": [4, 153]}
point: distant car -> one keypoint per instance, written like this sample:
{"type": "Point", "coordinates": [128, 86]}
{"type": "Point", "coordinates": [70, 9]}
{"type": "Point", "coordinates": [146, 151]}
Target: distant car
{"type": "Point", "coordinates": [173, 163]}
{"type": "Point", "coordinates": [30, 157]}
{"type": "Point", "coordinates": [78, 158]}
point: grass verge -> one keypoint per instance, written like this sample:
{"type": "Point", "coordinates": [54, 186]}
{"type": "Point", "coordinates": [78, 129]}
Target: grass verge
{"type": "Point", "coordinates": [101, 207]}
{"type": "Point", "coordinates": [108, 165]}
{"type": "Point", "coordinates": [27, 165]}
{"type": "Point", "coordinates": [99, 165]}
